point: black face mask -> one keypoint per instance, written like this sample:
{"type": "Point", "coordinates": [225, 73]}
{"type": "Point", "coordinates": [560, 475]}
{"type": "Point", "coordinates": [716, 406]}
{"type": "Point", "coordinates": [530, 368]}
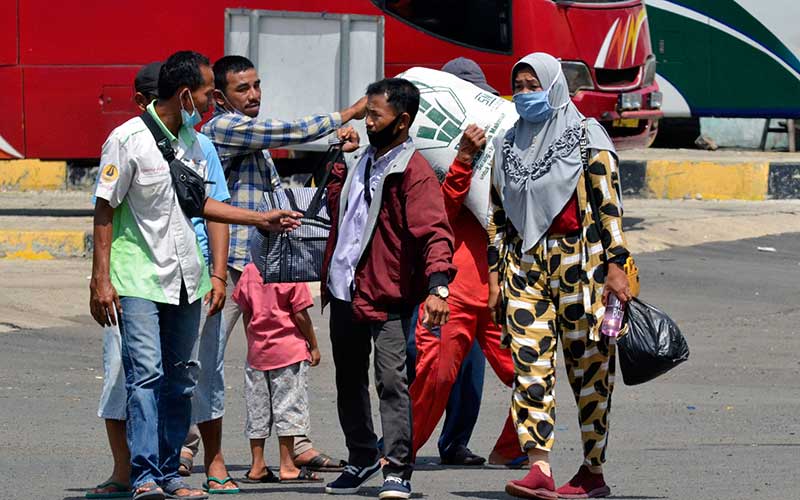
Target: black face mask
{"type": "Point", "coordinates": [385, 136]}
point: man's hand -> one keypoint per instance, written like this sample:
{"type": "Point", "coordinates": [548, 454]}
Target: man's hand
{"type": "Point", "coordinates": [437, 312]}
{"type": "Point", "coordinates": [472, 140]}
{"type": "Point", "coordinates": [279, 221]}
{"type": "Point", "coordinates": [215, 299]}
{"type": "Point", "coordinates": [104, 301]}
{"type": "Point", "coordinates": [350, 139]}
{"type": "Point", "coordinates": [315, 355]}
{"type": "Point", "coordinates": [355, 112]}
{"type": "Point", "coordinates": [617, 283]}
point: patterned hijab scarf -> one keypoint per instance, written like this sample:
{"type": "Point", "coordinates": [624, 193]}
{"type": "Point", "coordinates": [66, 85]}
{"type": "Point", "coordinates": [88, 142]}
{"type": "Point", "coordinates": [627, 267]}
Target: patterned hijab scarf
{"type": "Point", "coordinates": [541, 162]}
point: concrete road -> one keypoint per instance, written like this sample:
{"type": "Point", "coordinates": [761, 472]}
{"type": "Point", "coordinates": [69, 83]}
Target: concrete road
{"type": "Point", "coordinates": [724, 425]}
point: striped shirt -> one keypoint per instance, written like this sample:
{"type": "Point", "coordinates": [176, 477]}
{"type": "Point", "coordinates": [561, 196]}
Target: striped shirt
{"type": "Point", "coordinates": [237, 135]}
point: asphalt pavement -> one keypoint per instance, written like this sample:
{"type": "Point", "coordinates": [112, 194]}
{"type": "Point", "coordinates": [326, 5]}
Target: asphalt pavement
{"type": "Point", "coordinates": [724, 425]}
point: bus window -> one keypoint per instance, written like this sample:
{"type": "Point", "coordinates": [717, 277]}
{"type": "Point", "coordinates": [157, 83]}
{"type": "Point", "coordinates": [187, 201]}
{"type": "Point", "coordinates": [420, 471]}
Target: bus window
{"type": "Point", "coordinates": [482, 24]}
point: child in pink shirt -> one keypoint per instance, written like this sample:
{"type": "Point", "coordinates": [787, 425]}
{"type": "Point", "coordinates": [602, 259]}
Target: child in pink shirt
{"type": "Point", "coordinates": [281, 345]}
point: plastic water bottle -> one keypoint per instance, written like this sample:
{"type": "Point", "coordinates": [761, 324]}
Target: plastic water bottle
{"type": "Point", "coordinates": [612, 322]}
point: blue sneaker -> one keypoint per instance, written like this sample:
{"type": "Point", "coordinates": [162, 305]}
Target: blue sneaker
{"type": "Point", "coordinates": [395, 487]}
{"type": "Point", "coordinates": [353, 477]}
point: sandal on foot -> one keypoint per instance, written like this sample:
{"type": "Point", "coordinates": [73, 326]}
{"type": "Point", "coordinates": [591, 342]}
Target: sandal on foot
{"type": "Point", "coordinates": [324, 463]}
{"type": "Point", "coordinates": [185, 467]}
{"type": "Point", "coordinates": [269, 477]}
{"type": "Point", "coordinates": [174, 487]}
{"type": "Point", "coordinates": [304, 476]}
{"type": "Point", "coordinates": [149, 491]}
{"type": "Point", "coordinates": [112, 489]}
{"type": "Point", "coordinates": [221, 482]}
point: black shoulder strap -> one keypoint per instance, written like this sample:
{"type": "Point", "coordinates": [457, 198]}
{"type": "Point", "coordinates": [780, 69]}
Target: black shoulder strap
{"type": "Point", "coordinates": [331, 156]}
{"type": "Point", "coordinates": [234, 165]}
{"type": "Point", "coordinates": [161, 139]}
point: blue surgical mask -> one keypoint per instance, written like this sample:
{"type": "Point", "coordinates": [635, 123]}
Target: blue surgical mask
{"type": "Point", "coordinates": [535, 106]}
{"type": "Point", "coordinates": [190, 120]}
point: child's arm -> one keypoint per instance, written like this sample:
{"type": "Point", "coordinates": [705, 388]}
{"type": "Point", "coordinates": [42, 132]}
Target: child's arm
{"type": "Point", "coordinates": [303, 322]}
{"type": "Point", "coordinates": [247, 317]}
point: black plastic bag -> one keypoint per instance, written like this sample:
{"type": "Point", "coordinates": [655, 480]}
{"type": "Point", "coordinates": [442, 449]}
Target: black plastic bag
{"type": "Point", "coordinates": [653, 346]}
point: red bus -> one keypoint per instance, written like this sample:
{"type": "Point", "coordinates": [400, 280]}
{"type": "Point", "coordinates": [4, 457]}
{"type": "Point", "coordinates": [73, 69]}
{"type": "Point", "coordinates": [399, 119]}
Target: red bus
{"type": "Point", "coordinates": [66, 67]}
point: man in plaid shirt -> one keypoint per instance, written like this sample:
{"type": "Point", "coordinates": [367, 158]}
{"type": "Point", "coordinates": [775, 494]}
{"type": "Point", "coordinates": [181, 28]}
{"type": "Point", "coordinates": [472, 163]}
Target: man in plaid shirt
{"type": "Point", "coordinates": [242, 140]}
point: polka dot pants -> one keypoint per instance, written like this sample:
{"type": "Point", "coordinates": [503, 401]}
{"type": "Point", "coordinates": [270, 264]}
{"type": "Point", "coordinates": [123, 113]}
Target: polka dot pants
{"type": "Point", "coordinates": [543, 300]}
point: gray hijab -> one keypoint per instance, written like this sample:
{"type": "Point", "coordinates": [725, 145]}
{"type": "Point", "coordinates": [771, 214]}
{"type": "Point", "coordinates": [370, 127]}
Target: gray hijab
{"type": "Point", "coordinates": [540, 163]}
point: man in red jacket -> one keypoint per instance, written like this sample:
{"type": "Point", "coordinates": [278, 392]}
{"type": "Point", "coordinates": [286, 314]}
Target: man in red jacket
{"type": "Point", "coordinates": [390, 247]}
{"type": "Point", "coordinates": [441, 353]}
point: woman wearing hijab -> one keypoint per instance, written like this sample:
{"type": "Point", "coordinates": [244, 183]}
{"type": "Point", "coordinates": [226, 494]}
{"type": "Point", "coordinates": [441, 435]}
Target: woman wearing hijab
{"type": "Point", "coordinates": [552, 269]}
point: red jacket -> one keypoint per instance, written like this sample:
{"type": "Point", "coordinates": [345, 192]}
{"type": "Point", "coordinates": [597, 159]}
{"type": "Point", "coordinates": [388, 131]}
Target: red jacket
{"type": "Point", "coordinates": [471, 287]}
{"type": "Point", "coordinates": [411, 248]}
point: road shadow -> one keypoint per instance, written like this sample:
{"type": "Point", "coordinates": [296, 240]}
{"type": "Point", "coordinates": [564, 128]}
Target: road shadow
{"type": "Point", "coordinates": [632, 224]}
{"type": "Point", "coordinates": [496, 495]}
{"type": "Point", "coordinates": [370, 491]}
{"type": "Point", "coordinates": [491, 495]}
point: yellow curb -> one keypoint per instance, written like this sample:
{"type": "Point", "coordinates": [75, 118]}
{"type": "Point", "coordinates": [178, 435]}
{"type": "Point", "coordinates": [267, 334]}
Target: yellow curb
{"type": "Point", "coordinates": [33, 175]}
{"type": "Point", "coordinates": [41, 245]}
{"type": "Point", "coordinates": [736, 181]}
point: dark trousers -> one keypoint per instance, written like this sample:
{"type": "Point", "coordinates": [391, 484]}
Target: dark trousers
{"type": "Point", "coordinates": [465, 397]}
{"type": "Point", "coordinates": [352, 344]}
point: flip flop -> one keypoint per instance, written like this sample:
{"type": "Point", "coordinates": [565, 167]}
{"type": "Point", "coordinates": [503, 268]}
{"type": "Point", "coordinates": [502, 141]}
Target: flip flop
{"type": "Point", "coordinates": [324, 463]}
{"type": "Point", "coordinates": [119, 490]}
{"type": "Point", "coordinates": [518, 463]}
{"type": "Point", "coordinates": [182, 486]}
{"type": "Point", "coordinates": [221, 482]}
{"type": "Point", "coordinates": [269, 477]}
{"type": "Point", "coordinates": [304, 476]}
{"type": "Point", "coordinates": [152, 492]}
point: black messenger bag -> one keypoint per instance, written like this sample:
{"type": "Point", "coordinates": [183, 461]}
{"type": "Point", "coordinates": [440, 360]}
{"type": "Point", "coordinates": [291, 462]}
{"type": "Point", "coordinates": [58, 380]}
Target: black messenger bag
{"type": "Point", "coordinates": [189, 185]}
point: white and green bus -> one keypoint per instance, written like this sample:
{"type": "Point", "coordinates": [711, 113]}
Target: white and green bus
{"type": "Point", "coordinates": [727, 58]}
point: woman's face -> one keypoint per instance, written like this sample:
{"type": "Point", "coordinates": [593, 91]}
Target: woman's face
{"type": "Point", "coordinates": [526, 81]}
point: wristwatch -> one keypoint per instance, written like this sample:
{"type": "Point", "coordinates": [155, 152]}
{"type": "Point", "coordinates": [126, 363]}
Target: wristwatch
{"type": "Point", "coordinates": [440, 291]}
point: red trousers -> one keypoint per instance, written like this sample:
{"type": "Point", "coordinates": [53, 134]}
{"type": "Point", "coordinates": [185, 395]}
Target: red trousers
{"type": "Point", "coordinates": [439, 359]}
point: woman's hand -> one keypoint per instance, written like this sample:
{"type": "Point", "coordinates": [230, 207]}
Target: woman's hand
{"type": "Point", "coordinates": [617, 283]}
{"type": "Point", "coordinates": [495, 304]}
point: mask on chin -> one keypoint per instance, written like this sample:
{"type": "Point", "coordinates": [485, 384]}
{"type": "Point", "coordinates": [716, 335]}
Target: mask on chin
{"type": "Point", "coordinates": [384, 136]}
{"type": "Point", "coordinates": [190, 120]}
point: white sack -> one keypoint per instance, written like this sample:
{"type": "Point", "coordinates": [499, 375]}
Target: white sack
{"type": "Point", "coordinates": [448, 105]}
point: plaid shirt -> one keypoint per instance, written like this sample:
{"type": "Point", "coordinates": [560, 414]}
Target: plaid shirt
{"type": "Point", "coordinates": [235, 135]}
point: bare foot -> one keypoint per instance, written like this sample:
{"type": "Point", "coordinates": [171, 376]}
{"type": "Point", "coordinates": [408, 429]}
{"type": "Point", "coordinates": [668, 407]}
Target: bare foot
{"type": "Point", "coordinates": [513, 462]}
{"type": "Point", "coordinates": [288, 473]}
{"type": "Point", "coordinates": [147, 487]}
{"type": "Point", "coordinates": [186, 492]}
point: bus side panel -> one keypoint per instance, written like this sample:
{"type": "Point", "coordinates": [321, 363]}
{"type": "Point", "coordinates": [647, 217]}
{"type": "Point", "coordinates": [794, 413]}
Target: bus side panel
{"type": "Point", "coordinates": [8, 33]}
{"type": "Point", "coordinates": [106, 33]}
{"type": "Point", "coordinates": [11, 125]}
{"type": "Point", "coordinates": [70, 110]}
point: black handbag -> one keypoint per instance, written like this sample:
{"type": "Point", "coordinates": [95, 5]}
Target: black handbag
{"type": "Point", "coordinates": [653, 345]}
{"type": "Point", "coordinates": [188, 184]}
{"type": "Point", "coordinates": [297, 256]}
